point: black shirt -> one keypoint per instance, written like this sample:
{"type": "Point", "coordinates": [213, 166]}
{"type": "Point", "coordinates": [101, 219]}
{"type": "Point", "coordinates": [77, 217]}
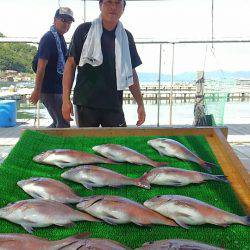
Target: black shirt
{"type": "Point", "coordinates": [52, 81]}
{"type": "Point", "coordinates": [96, 86]}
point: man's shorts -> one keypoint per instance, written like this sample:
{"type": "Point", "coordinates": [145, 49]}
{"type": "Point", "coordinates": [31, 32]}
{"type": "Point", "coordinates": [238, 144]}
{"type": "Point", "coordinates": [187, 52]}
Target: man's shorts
{"type": "Point", "coordinates": [92, 117]}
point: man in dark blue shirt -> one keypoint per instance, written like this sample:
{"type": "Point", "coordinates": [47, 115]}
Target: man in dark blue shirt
{"type": "Point", "coordinates": [98, 93]}
{"type": "Point", "coordinates": [52, 54]}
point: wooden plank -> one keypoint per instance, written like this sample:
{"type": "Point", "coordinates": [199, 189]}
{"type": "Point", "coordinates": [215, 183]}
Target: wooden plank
{"type": "Point", "coordinates": [163, 131]}
{"type": "Point", "coordinates": [232, 167]}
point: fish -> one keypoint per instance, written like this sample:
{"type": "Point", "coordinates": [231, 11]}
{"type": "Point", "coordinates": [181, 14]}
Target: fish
{"type": "Point", "coordinates": [179, 177]}
{"type": "Point", "coordinates": [49, 189]}
{"type": "Point", "coordinates": [121, 153]}
{"type": "Point", "coordinates": [30, 242]}
{"type": "Point", "coordinates": [93, 176]}
{"type": "Point", "coordinates": [101, 244]}
{"type": "Point", "coordinates": [177, 244]}
{"type": "Point", "coordinates": [173, 148]}
{"type": "Point", "coordinates": [119, 210]}
{"type": "Point", "coordinates": [42, 213]}
{"type": "Point", "coordinates": [189, 211]}
{"type": "Point", "coordinates": [63, 158]}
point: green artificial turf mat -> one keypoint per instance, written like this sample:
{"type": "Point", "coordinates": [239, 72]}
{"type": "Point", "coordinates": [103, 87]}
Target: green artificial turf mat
{"type": "Point", "coordinates": [19, 165]}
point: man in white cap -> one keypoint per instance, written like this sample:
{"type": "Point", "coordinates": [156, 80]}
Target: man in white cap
{"type": "Point", "coordinates": [49, 64]}
{"type": "Point", "coordinates": [106, 56]}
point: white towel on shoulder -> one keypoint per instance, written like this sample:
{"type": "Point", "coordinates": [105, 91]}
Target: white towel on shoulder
{"type": "Point", "coordinates": [92, 52]}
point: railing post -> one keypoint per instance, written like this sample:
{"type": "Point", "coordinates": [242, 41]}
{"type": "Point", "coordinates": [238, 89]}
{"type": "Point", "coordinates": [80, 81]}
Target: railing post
{"type": "Point", "coordinates": [171, 89]}
{"type": "Point", "coordinates": [159, 89]}
{"type": "Point", "coordinates": [84, 11]}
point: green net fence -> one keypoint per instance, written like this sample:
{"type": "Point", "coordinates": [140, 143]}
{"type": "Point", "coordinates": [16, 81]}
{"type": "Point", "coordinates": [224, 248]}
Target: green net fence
{"type": "Point", "coordinates": [216, 95]}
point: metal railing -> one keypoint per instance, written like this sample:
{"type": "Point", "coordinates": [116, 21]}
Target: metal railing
{"type": "Point", "coordinates": [141, 42]}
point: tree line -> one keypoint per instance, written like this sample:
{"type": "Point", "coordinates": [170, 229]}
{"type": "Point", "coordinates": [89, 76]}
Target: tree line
{"type": "Point", "coordinates": [16, 56]}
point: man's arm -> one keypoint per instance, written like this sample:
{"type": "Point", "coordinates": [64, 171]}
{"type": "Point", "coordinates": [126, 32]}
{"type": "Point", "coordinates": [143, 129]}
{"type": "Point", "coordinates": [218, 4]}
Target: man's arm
{"type": "Point", "coordinates": [136, 92]}
{"type": "Point", "coordinates": [68, 79]}
{"type": "Point", "coordinates": [41, 66]}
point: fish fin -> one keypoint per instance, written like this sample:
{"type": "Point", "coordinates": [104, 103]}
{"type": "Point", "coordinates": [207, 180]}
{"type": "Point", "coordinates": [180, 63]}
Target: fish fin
{"type": "Point", "coordinates": [110, 221]}
{"type": "Point", "coordinates": [29, 229]}
{"type": "Point", "coordinates": [140, 224]}
{"type": "Point", "coordinates": [208, 166]}
{"type": "Point", "coordinates": [37, 196]}
{"type": "Point", "coordinates": [161, 154]}
{"type": "Point", "coordinates": [86, 185]}
{"type": "Point", "coordinates": [182, 224]}
{"type": "Point", "coordinates": [70, 224]}
{"type": "Point", "coordinates": [109, 218]}
{"type": "Point", "coordinates": [143, 182]}
{"type": "Point", "coordinates": [176, 183]}
{"type": "Point", "coordinates": [59, 165]}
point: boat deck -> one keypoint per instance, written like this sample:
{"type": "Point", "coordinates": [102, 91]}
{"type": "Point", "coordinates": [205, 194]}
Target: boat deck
{"type": "Point", "coordinates": [238, 137]}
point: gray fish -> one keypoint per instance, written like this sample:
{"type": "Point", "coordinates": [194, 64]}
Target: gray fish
{"type": "Point", "coordinates": [179, 177]}
{"type": "Point", "coordinates": [49, 189]}
{"type": "Point", "coordinates": [177, 244]}
{"type": "Point", "coordinates": [41, 213]}
{"type": "Point", "coordinates": [119, 210]}
{"type": "Point", "coordinates": [92, 176]}
{"type": "Point", "coordinates": [173, 148]}
{"type": "Point", "coordinates": [63, 158]}
{"type": "Point", "coordinates": [30, 242]}
{"type": "Point", "coordinates": [101, 244]}
{"type": "Point", "coordinates": [120, 153]}
{"type": "Point", "coordinates": [188, 211]}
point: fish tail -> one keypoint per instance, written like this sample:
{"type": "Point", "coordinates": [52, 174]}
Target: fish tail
{"type": "Point", "coordinates": [245, 220]}
{"type": "Point", "coordinates": [221, 178]}
{"type": "Point", "coordinates": [216, 177]}
{"type": "Point", "coordinates": [143, 182]}
{"type": "Point", "coordinates": [208, 166]}
{"type": "Point", "coordinates": [61, 244]}
{"type": "Point", "coordinates": [159, 164]}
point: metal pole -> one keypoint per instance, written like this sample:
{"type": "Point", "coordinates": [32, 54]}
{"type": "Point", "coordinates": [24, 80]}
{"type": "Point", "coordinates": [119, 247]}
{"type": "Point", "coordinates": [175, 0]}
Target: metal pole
{"type": "Point", "coordinates": [84, 11]}
{"type": "Point", "coordinates": [171, 90]}
{"type": "Point", "coordinates": [159, 89]}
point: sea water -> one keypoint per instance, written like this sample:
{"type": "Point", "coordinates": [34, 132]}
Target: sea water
{"type": "Point", "coordinates": [182, 113]}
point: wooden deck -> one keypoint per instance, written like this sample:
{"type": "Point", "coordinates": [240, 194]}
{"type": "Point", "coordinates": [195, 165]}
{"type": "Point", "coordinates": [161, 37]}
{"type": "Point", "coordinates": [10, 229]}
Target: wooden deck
{"type": "Point", "coordinates": [238, 137]}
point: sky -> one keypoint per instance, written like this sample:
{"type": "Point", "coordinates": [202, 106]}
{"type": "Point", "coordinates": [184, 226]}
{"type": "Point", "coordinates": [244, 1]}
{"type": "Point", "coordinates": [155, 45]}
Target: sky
{"type": "Point", "coordinates": [170, 20]}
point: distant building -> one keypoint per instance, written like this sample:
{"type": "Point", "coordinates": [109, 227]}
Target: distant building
{"type": "Point", "coordinates": [243, 82]}
{"type": "Point", "coordinates": [14, 72]}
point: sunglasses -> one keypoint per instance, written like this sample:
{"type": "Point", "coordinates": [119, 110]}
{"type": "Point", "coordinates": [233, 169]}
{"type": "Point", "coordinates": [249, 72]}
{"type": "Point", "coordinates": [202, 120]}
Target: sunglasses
{"type": "Point", "coordinates": [66, 20]}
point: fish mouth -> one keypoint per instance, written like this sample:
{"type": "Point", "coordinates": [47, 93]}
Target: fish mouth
{"type": "Point", "coordinates": [146, 203]}
{"type": "Point", "coordinates": [64, 174]}
{"type": "Point", "coordinates": [149, 203]}
{"type": "Point", "coordinates": [41, 157]}
{"type": "Point", "coordinates": [95, 148]}
{"type": "Point", "coordinates": [149, 142]}
{"type": "Point", "coordinates": [21, 183]}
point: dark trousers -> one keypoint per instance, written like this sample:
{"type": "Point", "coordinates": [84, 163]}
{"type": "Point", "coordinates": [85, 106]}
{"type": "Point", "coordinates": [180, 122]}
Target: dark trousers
{"type": "Point", "coordinates": [53, 103]}
{"type": "Point", "coordinates": [91, 117]}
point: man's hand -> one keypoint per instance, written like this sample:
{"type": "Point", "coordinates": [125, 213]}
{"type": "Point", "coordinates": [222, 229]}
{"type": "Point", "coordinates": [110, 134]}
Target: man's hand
{"type": "Point", "coordinates": [35, 96]}
{"type": "Point", "coordinates": [141, 115]}
{"type": "Point", "coordinates": [67, 110]}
